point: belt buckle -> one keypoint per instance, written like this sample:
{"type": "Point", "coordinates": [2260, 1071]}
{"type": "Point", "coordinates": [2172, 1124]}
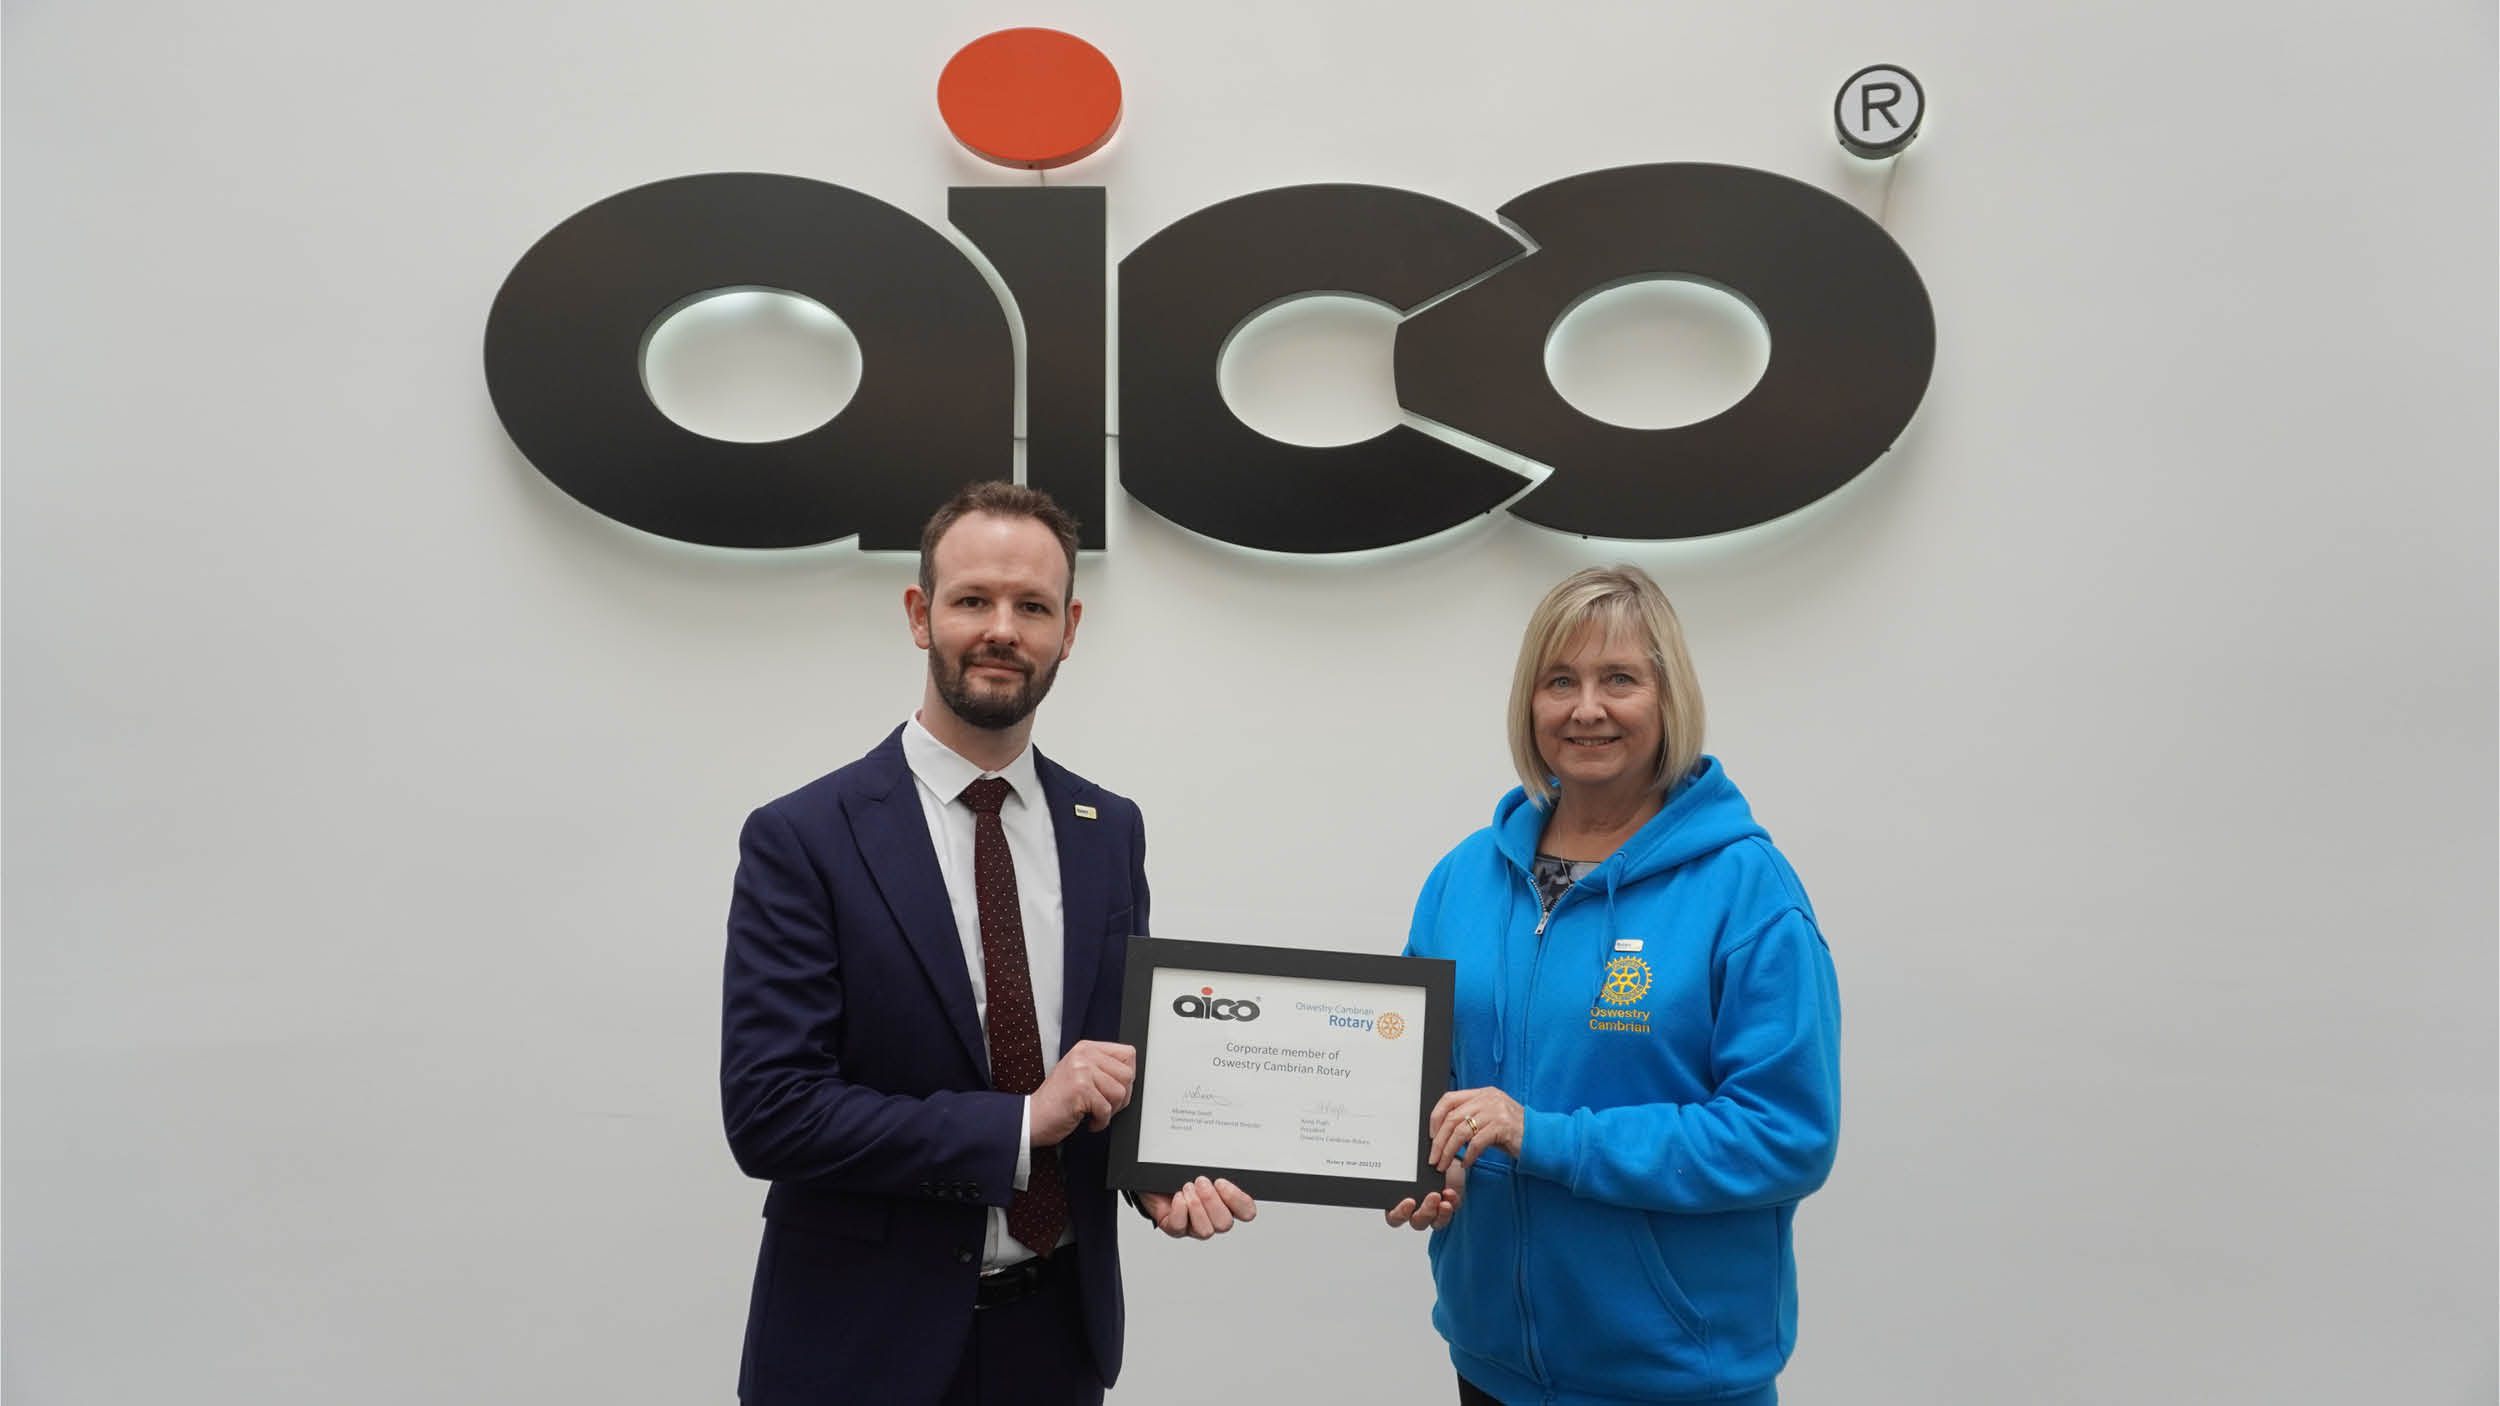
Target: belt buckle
{"type": "Point", "coordinates": [997, 1288]}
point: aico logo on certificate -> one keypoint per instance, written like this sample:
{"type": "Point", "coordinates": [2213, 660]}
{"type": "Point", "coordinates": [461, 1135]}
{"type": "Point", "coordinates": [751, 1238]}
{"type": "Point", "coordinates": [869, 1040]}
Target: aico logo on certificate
{"type": "Point", "coordinates": [1204, 1004]}
{"type": "Point", "coordinates": [1314, 1090]}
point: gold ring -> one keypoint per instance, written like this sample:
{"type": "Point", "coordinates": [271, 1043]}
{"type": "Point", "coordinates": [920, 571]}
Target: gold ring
{"type": "Point", "coordinates": [1471, 1122]}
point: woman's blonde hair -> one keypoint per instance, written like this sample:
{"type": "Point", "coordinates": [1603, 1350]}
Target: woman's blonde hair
{"type": "Point", "coordinates": [1613, 600]}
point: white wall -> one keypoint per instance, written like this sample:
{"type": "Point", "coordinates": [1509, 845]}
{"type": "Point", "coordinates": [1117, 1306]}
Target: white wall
{"type": "Point", "coordinates": [371, 805]}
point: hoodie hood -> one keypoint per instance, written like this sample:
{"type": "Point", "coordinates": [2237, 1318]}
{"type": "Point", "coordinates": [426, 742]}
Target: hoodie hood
{"type": "Point", "coordinates": [1705, 814]}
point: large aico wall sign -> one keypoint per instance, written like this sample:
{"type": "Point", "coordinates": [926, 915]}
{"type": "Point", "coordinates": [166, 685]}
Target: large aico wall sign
{"type": "Point", "coordinates": [1852, 342]}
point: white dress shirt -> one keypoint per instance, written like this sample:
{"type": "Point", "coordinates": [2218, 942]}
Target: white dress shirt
{"type": "Point", "coordinates": [940, 775]}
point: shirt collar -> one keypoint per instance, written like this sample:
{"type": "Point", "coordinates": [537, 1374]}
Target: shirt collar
{"type": "Point", "coordinates": [947, 772]}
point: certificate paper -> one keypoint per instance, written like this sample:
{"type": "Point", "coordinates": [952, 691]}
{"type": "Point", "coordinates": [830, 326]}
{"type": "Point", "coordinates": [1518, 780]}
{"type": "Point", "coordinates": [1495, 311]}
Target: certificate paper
{"type": "Point", "coordinates": [1299, 1075]}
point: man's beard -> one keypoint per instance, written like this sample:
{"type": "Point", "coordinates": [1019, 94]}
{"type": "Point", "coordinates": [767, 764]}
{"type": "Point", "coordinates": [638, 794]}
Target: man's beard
{"type": "Point", "coordinates": [991, 713]}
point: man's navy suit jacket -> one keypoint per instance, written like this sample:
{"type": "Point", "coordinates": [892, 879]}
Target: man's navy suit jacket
{"type": "Point", "coordinates": [854, 1078]}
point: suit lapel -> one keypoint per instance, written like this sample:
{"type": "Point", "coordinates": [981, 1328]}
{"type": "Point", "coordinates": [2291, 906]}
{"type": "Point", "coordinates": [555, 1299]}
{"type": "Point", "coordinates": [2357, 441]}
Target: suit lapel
{"type": "Point", "coordinates": [894, 838]}
{"type": "Point", "coordinates": [1083, 885]}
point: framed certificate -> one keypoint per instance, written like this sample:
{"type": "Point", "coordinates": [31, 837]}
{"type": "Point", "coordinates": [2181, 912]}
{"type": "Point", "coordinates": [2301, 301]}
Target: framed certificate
{"type": "Point", "coordinates": [1298, 1075]}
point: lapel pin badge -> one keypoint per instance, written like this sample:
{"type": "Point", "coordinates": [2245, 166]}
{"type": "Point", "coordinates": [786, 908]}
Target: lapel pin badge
{"type": "Point", "coordinates": [1085, 813]}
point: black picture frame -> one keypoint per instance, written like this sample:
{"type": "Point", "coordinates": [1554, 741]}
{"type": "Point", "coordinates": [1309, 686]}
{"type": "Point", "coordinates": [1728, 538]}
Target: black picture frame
{"type": "Point", "coordinates": [1435, 977]}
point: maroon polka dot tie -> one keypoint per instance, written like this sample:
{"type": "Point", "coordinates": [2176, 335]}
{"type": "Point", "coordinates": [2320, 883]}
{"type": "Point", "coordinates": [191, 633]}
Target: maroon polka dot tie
{"type": "Point", "coordinates": [1040, 1211]}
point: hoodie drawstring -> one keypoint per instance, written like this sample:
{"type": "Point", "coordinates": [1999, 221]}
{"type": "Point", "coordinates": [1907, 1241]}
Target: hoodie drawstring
{"type": "Point", "coordinates": [1501, 983]}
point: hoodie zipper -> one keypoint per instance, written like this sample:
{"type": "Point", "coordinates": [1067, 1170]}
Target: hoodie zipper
{"type": "Point", "coordinates": [1519, 1192]}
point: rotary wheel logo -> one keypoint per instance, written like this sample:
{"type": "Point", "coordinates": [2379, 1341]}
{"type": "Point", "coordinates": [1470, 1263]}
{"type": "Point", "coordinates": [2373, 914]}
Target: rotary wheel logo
{"type": "Point", "coordinates": [1627, 980]}
{"type": "Point", "coordinates": [1390, 1025]}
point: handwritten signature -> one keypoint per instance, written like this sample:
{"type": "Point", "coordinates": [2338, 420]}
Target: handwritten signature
{"type": "Point", "coordinates": [1329, 1111]}
{"type": "Point", "coordinates": [1205, 1097]}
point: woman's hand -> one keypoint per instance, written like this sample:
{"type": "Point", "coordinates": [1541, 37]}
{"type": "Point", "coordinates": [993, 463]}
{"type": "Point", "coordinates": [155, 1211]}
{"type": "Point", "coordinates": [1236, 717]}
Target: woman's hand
{"type": "Point", "coordinates": [1474, 1119]}
{"type": "Point", "coordinates": [1437, 1207]}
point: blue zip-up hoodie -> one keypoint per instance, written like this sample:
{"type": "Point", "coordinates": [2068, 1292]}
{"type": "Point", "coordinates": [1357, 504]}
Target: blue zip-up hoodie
{"type": "Point", "coordinates": [1673, 1030]}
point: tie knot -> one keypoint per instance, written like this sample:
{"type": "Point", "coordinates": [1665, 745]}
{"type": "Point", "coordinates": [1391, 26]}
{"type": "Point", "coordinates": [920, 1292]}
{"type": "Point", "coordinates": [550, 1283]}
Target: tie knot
{"type": "Point", "coordinates": [986, 795]}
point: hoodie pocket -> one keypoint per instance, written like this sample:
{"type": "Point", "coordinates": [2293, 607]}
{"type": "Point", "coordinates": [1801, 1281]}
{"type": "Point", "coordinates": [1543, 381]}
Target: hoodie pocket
{"type": "Point", "coordinates": [1475, 1271]}
{"type": "Point", "coordinates": [1597, 1282]}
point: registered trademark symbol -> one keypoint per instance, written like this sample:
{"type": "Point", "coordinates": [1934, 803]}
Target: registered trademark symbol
{"type": "Point", "coordinates": [1878, 111]}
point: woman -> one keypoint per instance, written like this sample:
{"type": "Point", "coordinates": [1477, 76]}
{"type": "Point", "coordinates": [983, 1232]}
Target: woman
{"type": "Point", "coordinates": [1647, 1053]}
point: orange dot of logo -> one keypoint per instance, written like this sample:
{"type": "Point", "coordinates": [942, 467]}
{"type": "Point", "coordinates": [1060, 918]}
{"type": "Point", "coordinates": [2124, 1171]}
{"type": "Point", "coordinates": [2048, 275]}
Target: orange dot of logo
{"type": "Point", "coordinates": [1206, 990]}
{"type": "Point", "coordinates": [1030, 98]}
{"type": "Point", "coordinates": [1390, 1025]}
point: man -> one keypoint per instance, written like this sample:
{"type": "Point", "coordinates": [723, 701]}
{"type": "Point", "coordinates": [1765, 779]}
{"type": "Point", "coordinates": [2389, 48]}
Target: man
{"type": "Point", "coordinates": [922, 990]}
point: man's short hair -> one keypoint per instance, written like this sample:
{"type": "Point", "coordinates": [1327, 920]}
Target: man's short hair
{"type": "Point", "coordinates": [999, 499]}
{"type": "Point", "coordinates": [1610, 599]}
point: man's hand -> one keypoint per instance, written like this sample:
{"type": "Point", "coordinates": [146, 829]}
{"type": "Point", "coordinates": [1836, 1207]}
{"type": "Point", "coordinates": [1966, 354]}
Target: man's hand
{"type": "Point", "coordinates": [1437, 1207]}
{"type": "Point", "coordinates": [1201, 1209]}
{"type": "Point", "coordinates": [1088, 1084]}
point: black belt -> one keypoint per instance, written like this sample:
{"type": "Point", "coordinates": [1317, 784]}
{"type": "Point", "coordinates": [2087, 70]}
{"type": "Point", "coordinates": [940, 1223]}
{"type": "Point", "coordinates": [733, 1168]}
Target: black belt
{"type": "Point", "coordinates": [998, 1288]}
